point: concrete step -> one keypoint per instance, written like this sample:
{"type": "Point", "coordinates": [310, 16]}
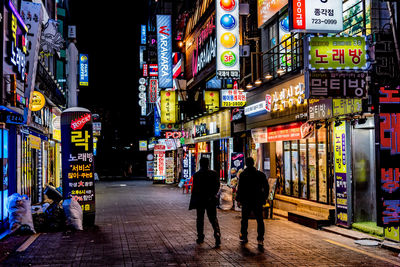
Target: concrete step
{"type": "Point", "coordinates": [307, 219]}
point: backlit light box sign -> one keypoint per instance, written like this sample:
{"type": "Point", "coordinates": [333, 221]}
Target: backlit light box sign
{"type": "Point", "coordinates": [83, 70]}
{"type": "Point", "coordinates": [164, 50]}
{"type": "Point", "coordinates": [233, 98]}
{"type": "Point", "coordinates": [143, 34]}
{"type": "Point", "coordinates": [316, 15]}
{"type": "Point", "coordinates": [227, 25]}
{"type": "Point", "coordinates": [338, 53]}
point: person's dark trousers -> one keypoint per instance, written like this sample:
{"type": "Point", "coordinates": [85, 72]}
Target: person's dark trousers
{"type": "Point", "coordinates": [212, 217]}
{"type": "Point", "coordinates": [257, 210]}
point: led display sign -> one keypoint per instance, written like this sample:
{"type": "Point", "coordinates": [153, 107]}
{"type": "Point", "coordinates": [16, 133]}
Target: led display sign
{"type": "Point", "coordinates": [143, 34]}
{"type": "Point", "coordinates": [83, 70]}
{"type": "Point", "coordinates": [227, 26]}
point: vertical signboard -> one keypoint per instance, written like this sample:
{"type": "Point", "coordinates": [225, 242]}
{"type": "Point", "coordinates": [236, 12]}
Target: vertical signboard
{"type": "Point", "coordinates": [164, 50]}
{"type": "Point", "coordinates": [159, 163]}
{"type": "Point", "coordinates": [153, 91]}
{"type": "Point", "coordinates": [31, 13]}
{"type": "Point", "coordinates": [227, 26]}
{"type": "Point", "coordinates": [342, 174]}
{"type": "Point", "coordinates": [143, 35]}
{"type": "Point", "coordinates": [211, 100]}
{"type": "Point", "coordinates": [83, 70]}
{"type": "Point", "coordinates": [77, 159]}
{"type": "Point", "coordinates": [168, 106]}
{"type": "Point", "coordinates": [388, 157]}
{"type": "Point", "coordinates": [3, 176]}
{"type": "Point", "coordinates": [316, 15]}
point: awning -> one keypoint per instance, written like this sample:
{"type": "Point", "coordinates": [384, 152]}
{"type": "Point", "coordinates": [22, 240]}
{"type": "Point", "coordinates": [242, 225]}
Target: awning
{"type": "Point", "coordinates": [8, 115]}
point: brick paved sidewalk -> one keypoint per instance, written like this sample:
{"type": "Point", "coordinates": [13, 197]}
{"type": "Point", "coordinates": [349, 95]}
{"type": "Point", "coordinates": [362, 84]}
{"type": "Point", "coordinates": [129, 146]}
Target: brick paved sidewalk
{"type": "Point", "coordinates": [141, 224]}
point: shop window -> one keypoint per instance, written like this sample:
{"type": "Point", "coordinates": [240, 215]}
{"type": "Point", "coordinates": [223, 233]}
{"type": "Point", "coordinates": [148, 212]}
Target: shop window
{"type": "Point", "coordinates": [295, 168]}
{"type": "Point", "coordinates": [303, 168]}
{"type": "Point", "coordinates": [322, 165]}
{"type": "Point", "coordinates": [312, 168]}
{"type": "Point", "coordinates": [279, 165]}
{"type": "Point", "coordinates": [287, 165]}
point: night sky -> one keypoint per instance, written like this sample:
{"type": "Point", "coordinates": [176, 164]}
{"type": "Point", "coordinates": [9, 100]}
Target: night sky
{"type": "Point", "coordinates": [110, 32]}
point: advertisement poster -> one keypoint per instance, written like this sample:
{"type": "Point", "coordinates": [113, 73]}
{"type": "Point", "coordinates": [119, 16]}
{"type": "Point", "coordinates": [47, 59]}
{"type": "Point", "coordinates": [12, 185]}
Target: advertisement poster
{"type": "Point", "coordinates": [150, 169]}
{"type": "Point", "coordinates": [341, 156]}
{"type": "Point", "coordinates": [340, 53]}
{"type": "Point", "coordinates": [77, 158]}
{"type": "Point", "coordinates": [227, 26]}
{"type": "Point", "coordinates": [237, 164]}
{"type": "Point", "coordinates": [388, 157]}
{"type": "Point", "coordinates": [164, 50]}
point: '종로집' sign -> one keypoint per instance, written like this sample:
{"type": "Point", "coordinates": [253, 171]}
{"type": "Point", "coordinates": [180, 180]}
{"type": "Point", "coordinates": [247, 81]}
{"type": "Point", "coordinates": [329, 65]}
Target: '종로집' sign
{"type": "Point", "coordinates": [388, 157]}
{"type": "Point", "coordinates": [338, 53]}
{"type": "Point", "coordinates": [77, 159]}
{"type": "Point", "coordinates": [336, 84]}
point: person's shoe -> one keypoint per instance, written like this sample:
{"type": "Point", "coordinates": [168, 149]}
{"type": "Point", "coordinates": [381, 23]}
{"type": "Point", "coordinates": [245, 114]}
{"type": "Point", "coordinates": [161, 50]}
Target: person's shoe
{"type": "Point", "coordinates": [200, 240]}
{"type": "Point", "coordinates": [217, 242]}
{"type": "Point", "coordinates": [260, 244]}
{"type": "Point", "coordinates": [243, 239]}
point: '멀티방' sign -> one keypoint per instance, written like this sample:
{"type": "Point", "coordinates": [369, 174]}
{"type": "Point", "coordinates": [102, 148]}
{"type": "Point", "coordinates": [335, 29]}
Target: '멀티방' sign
{"type": "Point", "coordinates": [338, 53]}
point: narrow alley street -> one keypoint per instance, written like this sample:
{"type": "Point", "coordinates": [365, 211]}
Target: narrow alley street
{"type": "Point", "coordinates": [141, 224]}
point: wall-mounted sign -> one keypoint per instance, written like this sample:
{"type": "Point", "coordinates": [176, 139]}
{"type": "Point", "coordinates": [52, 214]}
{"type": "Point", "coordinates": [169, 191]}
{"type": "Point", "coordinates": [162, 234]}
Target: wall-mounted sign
{"type": "Point", "coordinates": [37, 101]}
{"type": "Point", "coordinates": [346, 106]}
{"type": "Point", "coordinates": [153, 90]}
{"type": "Point", "coordinates": [233, 98]}
{"type": "Point", "coordinates": [145, 70]}
{"type": "Point", "coordinates": [319, 109]}
{"type": "Point", "coordinates": [340, 53]}
{"type": "Point", "coordinates": [267, 8]}
{"type": "Point", "coordinates": [83, 70]}
{"type": "Point", "coordinates": [142, 145]}
{"type": "Point", "coordinates": [388, 155]}
{"type": "Point", "coordinates": [211, 100]}
{"type": "Point", "coordinates": [316, 15]}
{"type": "Point", "coordinates": [143, 34]}
{"type": "Point", "coordinates": [237, 114]}
{"type": "Point", "coordinates": [336, 84]}
{"type": "Point", "coordinates": [286, 97]}
{"type": "Point", "coordinates": [255, 109]}
{"type": "Point", "coordinates": [291, 131]}
{"type": "Point", "coordinates": [18, 47]}
{"type": "Point", "coordinates": [164, 48]}
{"type": "Point", "coordinates": [71, 31]}
{"type": "Point", "coordinates": [153, 70]}
{"type": "Point", "coordinates": [168, 106]}
{"type": "Point", "coordinates": [227, 26]}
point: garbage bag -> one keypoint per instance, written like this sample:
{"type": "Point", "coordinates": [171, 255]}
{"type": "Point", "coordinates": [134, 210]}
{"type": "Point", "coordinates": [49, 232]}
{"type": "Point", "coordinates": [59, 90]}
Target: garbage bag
{"type": "Point", "coordinates": [73, 213]}
{"type": "Point", "coordinates": [20, 214]}
{"type": "Point", "coordinates": [55, 217]}
{"type": "Point", "coordinates": [226, 200]}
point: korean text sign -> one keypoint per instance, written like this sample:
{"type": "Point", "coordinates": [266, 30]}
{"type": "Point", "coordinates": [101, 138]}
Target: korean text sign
{"type": "Point", "coordinates": [341, 162]}
{"type": "Point", "coordinates": [227, 26]}
{"type": "Point", "coordinates": [338, 53]}
{"type": "Point", "coordinates": [388, 155]}
{"type": "Point", "coordinates": [316, 15]}
{"type": "Point", "coordinates": [211, 100]}
{"type": "Point", "coordinates": [233, 98]}
{"type": "Point", "coordinates": [164, 50]}
{"type": "Point", "coordinates": [77, 157]}
{"type": "Point", "coordinates": [83, 70]}
{"type": "Point", "coordinates": [168, 106]}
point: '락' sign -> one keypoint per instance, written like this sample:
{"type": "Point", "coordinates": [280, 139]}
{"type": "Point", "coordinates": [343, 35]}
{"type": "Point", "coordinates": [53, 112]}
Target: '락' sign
{"type": "Point", "coordinates": [37, 101]}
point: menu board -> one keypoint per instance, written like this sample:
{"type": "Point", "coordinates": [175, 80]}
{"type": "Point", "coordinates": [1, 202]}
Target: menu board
{"type": "Point", "coordinates": [77, 158]}
{"type": "Point", "coordinates": [169, 170]}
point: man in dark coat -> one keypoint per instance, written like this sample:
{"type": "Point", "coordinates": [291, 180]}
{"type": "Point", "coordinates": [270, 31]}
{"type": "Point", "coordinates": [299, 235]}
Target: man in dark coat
{"type": "Point", "coordinates": [252, 194]}
{"type": "Point", "coordinates": [204, 198]}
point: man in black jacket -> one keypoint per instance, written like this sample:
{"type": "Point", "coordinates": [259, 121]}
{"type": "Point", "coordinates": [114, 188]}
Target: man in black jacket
{"type": "Point", "coordinates": [204, 198]}
{"type": "Point", "coordinates": [252, 194]}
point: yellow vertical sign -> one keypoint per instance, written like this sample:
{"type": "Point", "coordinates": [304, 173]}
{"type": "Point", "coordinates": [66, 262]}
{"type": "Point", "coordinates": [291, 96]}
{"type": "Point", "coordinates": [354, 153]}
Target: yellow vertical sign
{"type": "Point", "coordinates": [211, 100]}
{"type": "Point", "coordinates": [340, 148]}
{"type": "Point", "coordinates": [168, 107]}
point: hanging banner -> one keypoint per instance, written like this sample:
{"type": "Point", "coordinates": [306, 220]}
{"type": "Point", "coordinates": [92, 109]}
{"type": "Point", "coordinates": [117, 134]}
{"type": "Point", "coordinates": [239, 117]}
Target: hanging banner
{"type": "Point", "coordinates": [387, 133]}
{"type": "Point", "coordinates": [211, 100]}
{"type": "Point", "coordinates": [164, 50]}
{"type": "Point", "coordinates": [338, 53]}
{"type": "Point", "coordinates": [168, 106]}
{"type": "Point", "coordinates": [83, 70]}
{"type": "Point", "coordinates": [342, 175]}
{"type": "Point", "coordinates": [31, 13]}
{"type": "Point", "coordinates": [77, 159]}
{"type": "Point", "coordinates": [227, 27]}
{"type": "Point", "coordinates": [319, 16]}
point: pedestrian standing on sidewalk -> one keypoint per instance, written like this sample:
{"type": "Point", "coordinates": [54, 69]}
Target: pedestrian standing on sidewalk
{"type": "Point", "coordinates": [204, 198]}
{"type": "Point", "coordinates": [251, 195]}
